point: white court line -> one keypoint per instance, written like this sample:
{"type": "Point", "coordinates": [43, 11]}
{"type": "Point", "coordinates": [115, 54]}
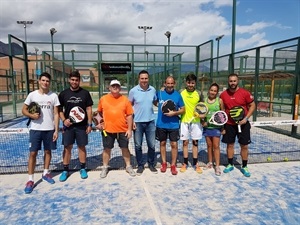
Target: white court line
{"type": "Point", "coordinates": [150, 199]}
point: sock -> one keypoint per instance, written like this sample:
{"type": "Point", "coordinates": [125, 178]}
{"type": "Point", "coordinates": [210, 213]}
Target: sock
{"type": "Point", "coordinates": [45, 172]}
{"type": "Point", "coordinates": [30, 177]}
{"type": "Point", "coordinates": [66, 168]}
{"type": "Point", "coordinates": [186, 161]}
{"type": "Point", "coordinates": [244, 162]}
{"type": "Point", "coordinates": [82, 165]}
{"type": "Point", "coordinates": [230, 161]}
{"type": "Point", "coordinates": [195, 161]}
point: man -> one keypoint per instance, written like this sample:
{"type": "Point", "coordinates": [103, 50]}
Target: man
{"type": "Point", "coordinates": [43, 128]}
{"type": "Point", "coordinates": [236, 96]}
{"type": "Point", "coordinates": [117, 112]}
{"type": "Point", "coordinates": [69, 98]}
{"type": "Point", "coordinates": [142, 97]}
{"type": "Point", "coordinates": [167, 124]}
{"type": "Point", "coordinates": [190, 129]}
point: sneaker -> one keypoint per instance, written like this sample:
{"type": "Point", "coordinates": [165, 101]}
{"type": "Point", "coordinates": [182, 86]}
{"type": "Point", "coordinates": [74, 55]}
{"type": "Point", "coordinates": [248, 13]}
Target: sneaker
{"type": "Point", "coordinates": [208, 166]}
{"type": "Point", "coordinates": [104, 172]}
{"type": "Point", "coordinates": [228, 168]}
{"type": "Point", "coordinates": [48, 178]}
{"type": "Point", "coordinates": [140, 170]}
{"type": "Point", "coordinates": [29, 187]}
{"type": "Point", "coordinates": [218, 171]}
{"type": "Point", "coordinates": [174, 170]}
{"type": "Point", "coordinates": [83, 174]}
{"type": "Point", "coordinates": [130, 171]}
{"type": "Point", "coordinates": [198, 169]}
{"type": "Point", "coordinates": [64, 176]}
{"type": "Point", "coordinates": [163, 168]}
{"type": "Point", "coordinates": [245, 171]}
{"type": "Point", "coordinates": [152, 169]}
{"type": "Point", "coordinates": [183, 168]}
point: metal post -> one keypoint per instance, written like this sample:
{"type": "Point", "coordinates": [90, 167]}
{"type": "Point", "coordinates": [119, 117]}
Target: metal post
{"type": "Point", "coordinates": [52, 32]}
{"type": "Point", "coordinates": [73, 68]}
{"type": "Point", "coordinates": [168, 35]}
{"type": "Point", "coordinates": [25, 23]}
{"type": "Point", "coordinates": [145, 28]}
{"type": "Point", "coordinates": [218, 46]}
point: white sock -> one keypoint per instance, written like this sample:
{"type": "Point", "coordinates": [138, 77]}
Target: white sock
{"type": "Point", "coordinates": [45, 172]}
{"type": "Point", "coordinates": [30, 177]}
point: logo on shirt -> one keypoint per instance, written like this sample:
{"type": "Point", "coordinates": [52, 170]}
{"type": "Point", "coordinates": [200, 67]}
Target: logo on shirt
{"type": "Point", "coordinates": [75, 100]}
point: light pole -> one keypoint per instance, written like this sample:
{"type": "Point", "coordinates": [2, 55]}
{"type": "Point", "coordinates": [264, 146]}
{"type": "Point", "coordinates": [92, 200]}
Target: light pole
{"type": "Point", "coordinates": [147, 53]}
{"type": "Point", "coordinates": [36, 62]}
{"type": "Point", "coordinates": [24, 23]}
{"type": "Point", "coordinates": [73, 59]}
{"type": "Point", "coordinates": [168, 34]}
{"type": "Point", "coordinates": [52, 32]}
{"type": "Point", "coordinates": [245, 57]}
{"type": "Point", "coordinates": [145, 28]}
{"type": "Point", "coordinates": [218, 45]}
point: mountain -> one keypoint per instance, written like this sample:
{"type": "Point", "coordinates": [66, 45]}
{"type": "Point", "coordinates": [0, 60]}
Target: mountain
{"type": "Point", "coordinates": [16, 49]}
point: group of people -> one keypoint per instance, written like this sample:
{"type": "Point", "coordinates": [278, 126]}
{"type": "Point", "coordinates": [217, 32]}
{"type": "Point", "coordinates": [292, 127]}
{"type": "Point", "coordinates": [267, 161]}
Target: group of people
{"type": "Point", "coordinates": [134, 115]}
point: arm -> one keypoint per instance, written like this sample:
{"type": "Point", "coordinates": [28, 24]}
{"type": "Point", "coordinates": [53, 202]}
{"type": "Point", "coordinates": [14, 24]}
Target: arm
{"type": "Point", "coordinates": [25, 112]}
{"type": "Point", "coordinates": [89, 117]}
{"type": "Point", "coordinates": [129, 121]}
{"type": "Point", "coordinates": [222, 107]}
{"type": "Point", "coordinates": [180, 111]}
{"type": "Point", "coordinates": [56, 122]}
{"type": "Point", "coordinates": [251, 107]}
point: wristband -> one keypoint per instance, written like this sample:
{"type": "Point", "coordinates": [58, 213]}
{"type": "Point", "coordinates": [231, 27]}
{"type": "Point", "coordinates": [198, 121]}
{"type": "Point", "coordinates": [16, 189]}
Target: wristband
{"type": "Point", "coordinates": [90, 124]}
{"type": "Point", "coordinates": [246, 118]}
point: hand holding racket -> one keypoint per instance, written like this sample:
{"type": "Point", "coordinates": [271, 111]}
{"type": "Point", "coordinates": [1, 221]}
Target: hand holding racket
{"type": "Point", "coordinates": [98, 120]}
{"type": "Point", "coordinates": [200, 111]}
{"type": "Point", "coordinates": [237, 114]}
{"type": "Point", "coordinates": [219, 118]}
{"type": "Point", "coordinates": [76, 115]}
{"type": "Point", "coordinates": [33, 108]}
{"type": "Point", "coordinates": [168, 106]}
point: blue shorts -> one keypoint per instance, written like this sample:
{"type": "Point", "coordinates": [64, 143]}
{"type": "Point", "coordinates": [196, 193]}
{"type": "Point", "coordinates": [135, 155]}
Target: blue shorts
{"type": "Point", "coordinates": [37, 137]}
{"type": "Point", "coordinates": [214, 132]}
{"type": "Point", "coordinates": [72, 134]}
{"type": "Point", "coordinates": [109, 140]}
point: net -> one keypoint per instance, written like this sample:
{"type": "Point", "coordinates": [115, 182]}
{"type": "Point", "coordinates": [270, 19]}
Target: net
{"type": "Point", "coordinates": [267, 146]}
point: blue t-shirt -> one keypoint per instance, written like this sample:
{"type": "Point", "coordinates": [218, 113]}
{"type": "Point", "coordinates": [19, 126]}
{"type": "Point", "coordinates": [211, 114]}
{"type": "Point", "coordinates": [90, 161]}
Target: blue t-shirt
{"type": "Point", "coordinates": [142, 101]}
{"type": "Point", "coordinates": [168, 122]}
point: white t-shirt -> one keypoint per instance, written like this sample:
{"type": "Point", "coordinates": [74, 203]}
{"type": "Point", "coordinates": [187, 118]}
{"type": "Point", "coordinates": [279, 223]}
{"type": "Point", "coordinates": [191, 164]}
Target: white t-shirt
{"type": "Point", "coordinates": [47, 103]}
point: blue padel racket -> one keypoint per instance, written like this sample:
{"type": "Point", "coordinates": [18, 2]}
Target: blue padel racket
{"type": "Point", "coordinates": [219, 118]}
{"type": "Point", "coordinates": [168, 106]}
{"type": "Point", "coordinates": [237, 114]}
{"type": "Point", "coordinates": [33, 108]}
{"type": "Point", "coordinates": [97, 118]}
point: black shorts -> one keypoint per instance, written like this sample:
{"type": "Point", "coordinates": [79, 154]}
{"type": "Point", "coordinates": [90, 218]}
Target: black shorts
{"type": "Point", "coordinates": [232, 133]}
{"type": "Point", "coordinates": [109, 140]}
{"type": "Point", "coordinates": [162, 134]}
{"type": "Point", "coordinates": [72, 134]}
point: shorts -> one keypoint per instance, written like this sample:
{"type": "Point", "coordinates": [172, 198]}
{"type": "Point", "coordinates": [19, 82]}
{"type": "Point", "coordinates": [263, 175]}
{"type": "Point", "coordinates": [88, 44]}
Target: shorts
{"type": "Point", "coordinates": [37, 137]}
{"type": "Point", "coordinates": [193, 130]}
{"type": "Point", "coordinates": [109, 140]}
{"type": "Point", "coordinates": [72, 134]}
{"type": "Point", "coordinates": [232, 133]}
{"type": "Point", "coordinates": [214, 132]}
{"type": "Point", "coordinates": [162, 134]}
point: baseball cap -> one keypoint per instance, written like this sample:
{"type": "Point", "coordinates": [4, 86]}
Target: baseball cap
{"type": "Point", "coordinates": [115, 82]}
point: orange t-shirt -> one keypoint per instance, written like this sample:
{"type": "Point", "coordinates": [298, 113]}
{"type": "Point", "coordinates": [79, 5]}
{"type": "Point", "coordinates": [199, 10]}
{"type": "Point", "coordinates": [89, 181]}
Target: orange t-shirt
{"type": "Point", "coordinates": [115, 111]}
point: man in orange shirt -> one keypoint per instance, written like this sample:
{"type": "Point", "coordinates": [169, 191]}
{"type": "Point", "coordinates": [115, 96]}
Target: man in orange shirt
{"type": "Point", "coordinates": [117, 113]}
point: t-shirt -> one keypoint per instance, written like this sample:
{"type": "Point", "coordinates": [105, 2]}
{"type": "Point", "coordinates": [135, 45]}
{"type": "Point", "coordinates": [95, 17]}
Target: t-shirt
{"type": "Point", "coordinates": [168, 122]}
{"type": "Point", "coordinates": [190, 100]}
{"type": "Point", "coordinates": [115, 111]}
{"type": "Point", "coordinates": [142, 101]}
{"type": "Point", "coordinates": [230, 99]}
{"type": "Point", "coordinates": [69, 99]}
{"type": "Point", "coordinates": [47, 103]}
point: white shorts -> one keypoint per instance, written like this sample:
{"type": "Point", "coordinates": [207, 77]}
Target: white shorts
{"type": "Point", "coordinates": [190, 130]}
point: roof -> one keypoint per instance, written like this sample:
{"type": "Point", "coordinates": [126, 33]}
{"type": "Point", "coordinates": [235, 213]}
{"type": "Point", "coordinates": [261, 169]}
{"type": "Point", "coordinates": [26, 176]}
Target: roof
{"type": "Point", "coordinates": [269, 75]}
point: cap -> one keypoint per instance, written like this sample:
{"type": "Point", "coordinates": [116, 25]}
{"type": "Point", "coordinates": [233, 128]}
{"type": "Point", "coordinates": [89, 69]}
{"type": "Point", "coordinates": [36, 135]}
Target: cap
{"type": "Point", "coordinates": [115, 82]}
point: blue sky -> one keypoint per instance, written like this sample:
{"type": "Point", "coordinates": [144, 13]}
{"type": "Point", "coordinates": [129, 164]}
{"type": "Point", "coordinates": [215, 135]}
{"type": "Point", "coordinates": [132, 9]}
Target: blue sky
{"type": "Point", "coordinates": [258, 22]}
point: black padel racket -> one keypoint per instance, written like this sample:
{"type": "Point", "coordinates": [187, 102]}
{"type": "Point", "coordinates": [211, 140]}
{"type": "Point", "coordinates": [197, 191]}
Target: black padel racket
{"type": "Point", "coordinates": [97, 118]}
{"type": "Point", "coordinates": [237, 114]}
{"type": "Point", "coordinates": [168, 106]}
{"type": "Point", "coordinates": [33, 108]}
{"type": "Point", "coordinates": [200, 111]}
{"type": "Point", "coordinates": [219, 118]}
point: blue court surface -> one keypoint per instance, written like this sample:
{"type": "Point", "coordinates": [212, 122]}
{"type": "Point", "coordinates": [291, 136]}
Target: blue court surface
{"type": "Point", "coordinates": [270, 196]}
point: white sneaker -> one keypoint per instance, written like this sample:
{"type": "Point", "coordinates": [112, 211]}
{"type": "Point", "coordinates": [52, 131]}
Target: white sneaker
{"type": "Point", "coordinates": [104, 172]}
{"type": "Point", "coordinates": [130, 170]}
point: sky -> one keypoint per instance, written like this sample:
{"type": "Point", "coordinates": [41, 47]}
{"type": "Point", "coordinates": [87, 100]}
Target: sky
{"type": "Point", "coordinates": [190, 22]}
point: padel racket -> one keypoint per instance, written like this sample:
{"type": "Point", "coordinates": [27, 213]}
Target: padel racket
{"type": "Point", "coordinates": [33, 108]}
{"type": "Point", "coordinates": [168, 106]}
{"type": "Point", "coordinates": [219, 118]}
{"type": "Point", "coordinates": [200, 111]}
{"type": "Point", "coordinates": [97, 118]}
{"type": "Point", "coordinates": [237, 114]}
{"type": "Point", "coordinates": [76, 115]}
